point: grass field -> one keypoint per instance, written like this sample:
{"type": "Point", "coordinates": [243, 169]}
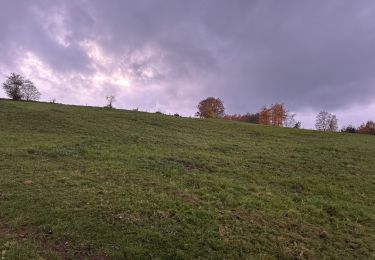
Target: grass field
{"type": "Point", "coordinates": [93, 183]}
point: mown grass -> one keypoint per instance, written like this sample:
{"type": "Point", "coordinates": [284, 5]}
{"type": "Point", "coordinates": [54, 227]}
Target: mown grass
{"type": "Point", "coordinates": [85, 182]}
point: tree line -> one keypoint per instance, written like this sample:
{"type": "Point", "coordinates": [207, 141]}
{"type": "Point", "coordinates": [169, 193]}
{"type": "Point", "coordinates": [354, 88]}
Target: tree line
{"type": "Point", "coordinates": [18, 88]}
{"type": "Point", "coordinates": [278, 115]}
{"type": "Point", "coordinates": [365, 128]}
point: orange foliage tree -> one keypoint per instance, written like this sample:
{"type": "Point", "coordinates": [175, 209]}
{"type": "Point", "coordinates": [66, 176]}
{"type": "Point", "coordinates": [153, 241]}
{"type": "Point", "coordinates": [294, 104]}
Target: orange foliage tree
{"type": "Point", "coordinates": [211, 108]}
{"type": "Point", "coordinates": [367, 128]}
{"type": "Point", "coordinates": [265, 116]}
{"type": "Point", "coordinates": [274, 115]}
{"type": "Point", "coordinates": [279, 114]}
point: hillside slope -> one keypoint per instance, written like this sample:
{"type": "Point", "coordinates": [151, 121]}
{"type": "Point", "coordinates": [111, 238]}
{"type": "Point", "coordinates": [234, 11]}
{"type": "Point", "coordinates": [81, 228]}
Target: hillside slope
{"type": "Point", "coordinates": [84, 182]}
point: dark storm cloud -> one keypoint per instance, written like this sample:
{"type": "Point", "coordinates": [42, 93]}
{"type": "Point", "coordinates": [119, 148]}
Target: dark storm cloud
{"type": "Point", "coordinates": [308, 54]}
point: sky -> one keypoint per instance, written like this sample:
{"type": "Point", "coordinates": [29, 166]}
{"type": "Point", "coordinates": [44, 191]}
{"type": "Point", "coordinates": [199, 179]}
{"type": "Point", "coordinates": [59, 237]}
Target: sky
{"type": "Point", "coordinates": [167, 55]}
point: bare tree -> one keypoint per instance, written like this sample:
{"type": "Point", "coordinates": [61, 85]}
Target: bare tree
{"type": "Point", "coordinates": [12, 86]}
{"type": "Point", "coordinates": [326, 122]}
{"type": "Point", "coordinates": [110, 100]}
{"type": "Point", "coordinates": [29, 91]}
{"type": "Point", "coordinates": [290, 121]}
{"type": "Point", "coordinates": [18, 88]}
{"type": "Point", "coordinates": [333, 124]}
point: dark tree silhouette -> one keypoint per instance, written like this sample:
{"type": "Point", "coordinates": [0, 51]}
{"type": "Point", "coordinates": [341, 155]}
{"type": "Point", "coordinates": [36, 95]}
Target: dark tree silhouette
{"type": "Point", "coordinates": [19, 88]}
{"type": "Point", "coordinates": [248, 118]}
{"type": "Point", "coordinates": [298, 125]}
{"type": "Point", "coordinates": [13, 85]}
{"type": "Point", "coordinates": [349, 129]}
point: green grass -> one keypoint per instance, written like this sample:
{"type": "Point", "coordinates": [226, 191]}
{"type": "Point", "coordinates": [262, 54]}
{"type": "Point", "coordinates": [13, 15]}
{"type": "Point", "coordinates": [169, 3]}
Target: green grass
{"type": "Point", "coordinates": [92, 183]}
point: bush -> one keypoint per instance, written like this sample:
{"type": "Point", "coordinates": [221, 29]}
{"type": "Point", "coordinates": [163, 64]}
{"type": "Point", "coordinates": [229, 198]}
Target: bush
{"type": "Point", "coordinates": [349, 129]}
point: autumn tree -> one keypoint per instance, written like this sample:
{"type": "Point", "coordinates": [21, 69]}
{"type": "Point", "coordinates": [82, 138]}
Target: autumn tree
{"type": "Point", "coordinates": [265, 116]}
{"type": "Point", "coordinates": [275, 115]}
{"type": "Point", "coordinates": [211, 108]}
{"type": "Point", "coordinates": [326, 122]}
{"type": "Point", "coordinates": [278, 114]}
{"type": "Point", "coordinates": [367, 128]}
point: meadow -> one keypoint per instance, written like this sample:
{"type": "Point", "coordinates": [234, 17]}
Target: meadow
{"type": "Point", "coordinates": [94, 183]}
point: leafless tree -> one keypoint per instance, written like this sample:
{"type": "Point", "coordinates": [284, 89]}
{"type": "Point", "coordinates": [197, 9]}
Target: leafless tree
{"type": "Point", "coordinates": [29, 91]}
{"type": "Point", "coordinates": [110, 100]}
{"type": "Point", "coordinates": [326, 122]}
{"type": "Point", "coordinates": [289, 120]}
{"type": "Point", "coordinates": [333, 124]}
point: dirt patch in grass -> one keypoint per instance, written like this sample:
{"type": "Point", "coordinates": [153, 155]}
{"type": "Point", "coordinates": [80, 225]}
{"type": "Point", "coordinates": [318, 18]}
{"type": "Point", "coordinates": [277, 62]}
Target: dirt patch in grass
{"type": "Point", "coordinates": [43, 242]}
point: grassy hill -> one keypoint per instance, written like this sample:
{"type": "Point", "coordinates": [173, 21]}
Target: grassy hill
{"type": "Point", "coordinates": [84, 182]}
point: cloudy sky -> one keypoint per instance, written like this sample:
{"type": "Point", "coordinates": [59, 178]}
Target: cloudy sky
{"type": "Point", "coordinates": [166, 55]}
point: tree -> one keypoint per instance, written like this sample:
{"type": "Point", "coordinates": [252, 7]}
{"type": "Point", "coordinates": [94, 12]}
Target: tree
{"type": "Point", "coordinates": [211, 108]}
{"type": "Point", "coordinates": [279, 114]}
{"type": "Point", "coordinates": [265, 116]}
{"type": "Point", "coordinates": [275, 115]}
{"type": "Point", "coordinates": [367, 128]}
{"type": "Point", "coordinates": [251, 118]}
{"type": "Point", "coordinates": [234, 117]}
{"type": "Point", "coordinates": [349, 129]}
{"type": "Point", "coordinates": [110, 100]}
{"type": "Point", "coordinates": [12, 86]}
{"type": "Point", "coordinates": [29, 91]}
{"type": "Point", "coordinates": [19, 88]}
{"type": "Point", "coordinates": [326, 122]}
{"type": "Point", "coordinates": [298, 125]}
{"type": "Point", "coordinates": [290, 120]}
{"type": "Point", "coordinates": [248, 118]}
{"type": "Point", "coordinates": [333, 126]}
